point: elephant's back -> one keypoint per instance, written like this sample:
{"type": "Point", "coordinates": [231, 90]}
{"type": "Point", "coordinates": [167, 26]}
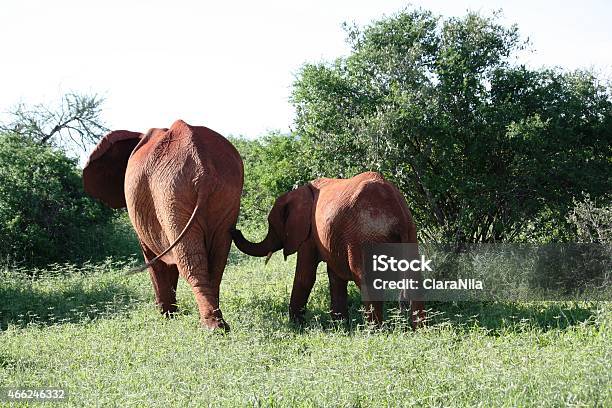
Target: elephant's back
{"type": "Point", "coordinates": [365, 208]}
{"type": "Point", "coordinates": [184, 156]}
{"type": "Point", "coordinates": [222, 177]}
{"type": "Point", "coordinates": [381, 210]}
{"type": "Point", "coordinates": [173, 169]}
{"type": "Point", "coordinates": [221, 157]}
{"type": "Point", "coordinates": [366, 204]}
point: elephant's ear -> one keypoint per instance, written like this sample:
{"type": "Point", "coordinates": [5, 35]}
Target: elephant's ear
{"type": "Point", "coordinates": [104, 173]}
{"type": "Point", "coordinates": [298, 218]}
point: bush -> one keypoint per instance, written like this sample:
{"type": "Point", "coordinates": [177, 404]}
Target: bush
{"type": "Point", "coordinates": [593, 222]}
{"type": "Point", "coordinates": [585, 264]}
{"type": "Point", "coordinates": [273, 165]}
{"type": "Point", "coordinates": [45, 216]}
{"type": "Point", "coordinates": [484, 149]}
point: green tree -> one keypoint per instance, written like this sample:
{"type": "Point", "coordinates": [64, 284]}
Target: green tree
{"type": "Point", "coordinates": [483, 148]}
{"type": "Point", "coordinates": [44, 214]}
{"type": "Point", "coordinates": [74, 123]}
{"type": "Point", "coordinates": [273, 165]}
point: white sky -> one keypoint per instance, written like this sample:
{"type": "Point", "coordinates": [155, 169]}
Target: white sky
{"type": "Point", "coordinates": [229, 65]}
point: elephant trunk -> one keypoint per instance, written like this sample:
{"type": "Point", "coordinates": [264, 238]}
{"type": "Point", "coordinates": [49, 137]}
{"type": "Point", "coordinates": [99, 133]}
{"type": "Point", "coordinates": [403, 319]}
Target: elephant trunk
{"type": "Point", "coordinates": [263, 248]}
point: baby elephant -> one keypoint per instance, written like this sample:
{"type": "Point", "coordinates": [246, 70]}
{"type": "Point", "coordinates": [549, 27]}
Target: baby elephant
{"type": "Point", "coordinates": [329, 220]}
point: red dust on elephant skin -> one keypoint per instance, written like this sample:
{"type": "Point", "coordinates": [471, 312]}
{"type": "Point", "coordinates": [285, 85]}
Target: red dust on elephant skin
{"type": "Point", "coordinates": [181, 187]}
{"type": "Point", "coordinates": [330, 220]}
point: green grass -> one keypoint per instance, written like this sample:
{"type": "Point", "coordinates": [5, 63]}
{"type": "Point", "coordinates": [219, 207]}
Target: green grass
{"type": "Point", "coordinates": [94, 331]}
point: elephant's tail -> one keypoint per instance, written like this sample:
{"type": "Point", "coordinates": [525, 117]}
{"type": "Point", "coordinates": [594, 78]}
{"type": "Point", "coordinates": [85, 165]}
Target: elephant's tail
{"type": "Point", "coordinates": [176, 241]}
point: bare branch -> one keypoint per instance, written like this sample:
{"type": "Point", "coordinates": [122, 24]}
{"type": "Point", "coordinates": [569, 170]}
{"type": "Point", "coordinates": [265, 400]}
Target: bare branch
{"type": "Point", "coordinates": [76, 113]}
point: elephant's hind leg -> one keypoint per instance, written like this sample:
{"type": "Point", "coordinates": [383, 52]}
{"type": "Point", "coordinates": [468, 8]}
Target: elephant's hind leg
{"type": "Point", "coordinates": [217, 260]}
{"type": "Point", "coordinates": [192, 261]}
{"type": "Point", "coordinates": [164, 278]}
{"type": "Point", "coordinates": [373, 309]}
{"type": "Point", "coordinates": [338, 289]}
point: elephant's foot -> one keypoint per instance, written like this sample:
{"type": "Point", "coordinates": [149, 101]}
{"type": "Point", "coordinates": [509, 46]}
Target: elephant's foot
{"type": "Point", "coordinates": [215, 324]}
{"type": "Point", "coordinates": [416, 313]}
{"type": "Point", "coordinates": [296, 316]}
{"type": "Point", "coordinates": [213, 320]}
{"type": "Point", "coordinates": [374, 313]}
{"type": "Point", "coordinates": [168, 310]}
{"type": "Point", "coordinates": [339, 316]}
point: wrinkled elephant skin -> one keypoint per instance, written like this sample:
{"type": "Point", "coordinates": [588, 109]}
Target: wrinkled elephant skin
{"type": "Point", "coordinates": [329, 220]}
{"type": "Point", "coordinates": [181, 187]}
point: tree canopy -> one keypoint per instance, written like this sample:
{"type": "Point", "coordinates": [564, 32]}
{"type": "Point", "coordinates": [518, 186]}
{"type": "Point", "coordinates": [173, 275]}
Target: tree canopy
{"type": "Point", "coordinates": [484, 148]}
{"type": "Point", "coordinates": [75, 122]}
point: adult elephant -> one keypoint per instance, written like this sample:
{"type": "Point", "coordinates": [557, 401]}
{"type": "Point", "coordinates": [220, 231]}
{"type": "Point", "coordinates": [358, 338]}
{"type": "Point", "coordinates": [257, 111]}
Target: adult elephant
{"type": "Point", "coordinates": [329, 220]}
{"type": "Point", "coordinates": [182, 188]}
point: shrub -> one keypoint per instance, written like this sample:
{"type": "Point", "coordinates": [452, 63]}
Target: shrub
{"type": "Point", "coordinates": [273, 165]}
{"type": "Point", "coordinates": [593, 222]}
{"type": "Point", "coordinates": [45, 216]}
{"type": "Point", "coordinates": [485, 149]}
{"type": "Point", "coordinates": [586, 263]}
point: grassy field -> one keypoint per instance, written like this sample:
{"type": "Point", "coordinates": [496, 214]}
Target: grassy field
{"type": "Point", "coordinates": [94, 331]}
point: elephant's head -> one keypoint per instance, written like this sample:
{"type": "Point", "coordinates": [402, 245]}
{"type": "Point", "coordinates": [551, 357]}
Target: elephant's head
{"type": "Point", "coordinates": [288, 225]}
{"type": "Point", "coordinates": [104, 173]}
